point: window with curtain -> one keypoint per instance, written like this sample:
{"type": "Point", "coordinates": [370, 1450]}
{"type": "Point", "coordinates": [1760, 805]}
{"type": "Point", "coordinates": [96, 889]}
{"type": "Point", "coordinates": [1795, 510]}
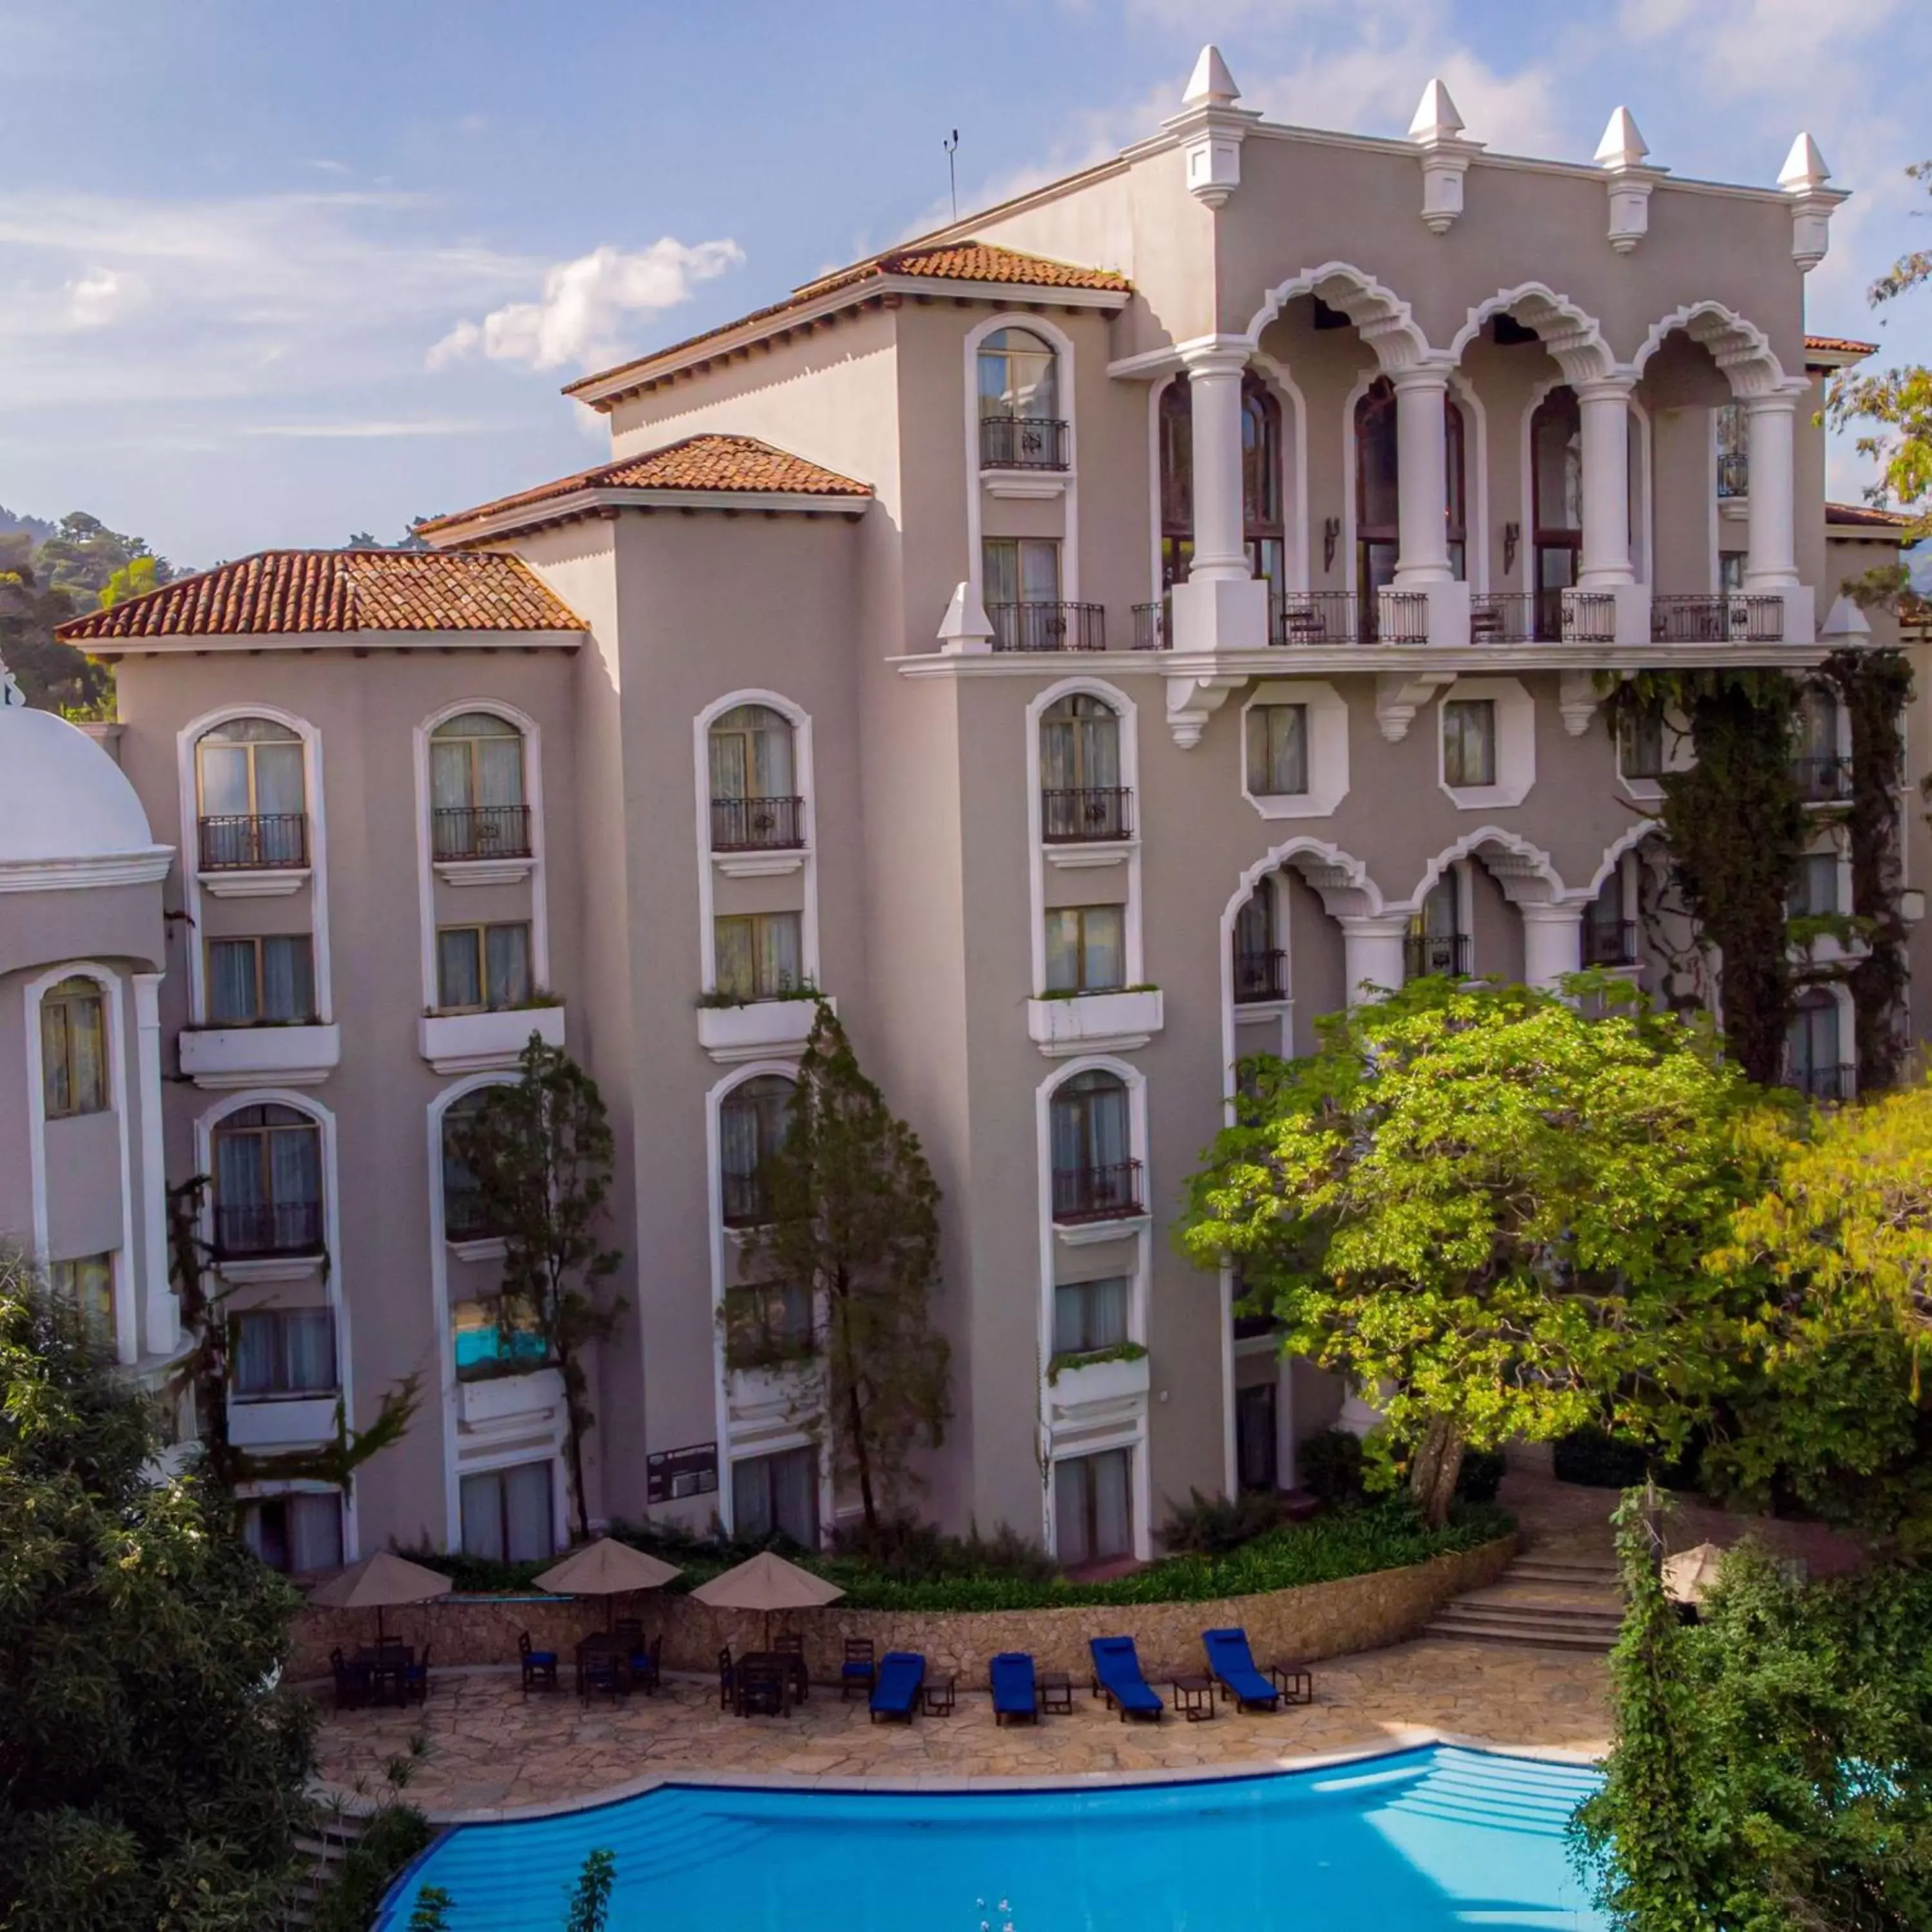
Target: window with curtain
{"type": "Point", "coordinates": [506, 1513]}
{"type": "Point", "coordinates": [482, 968]}
{"type": "Point", "coordinates": [284, 1351]}
{"type": "Point", "coordinates": [1814, 891]}
{"type": "Point", "coordinates": [751, 752]}
{"type": "Point", "coordinates": [1079, 744]}
{"type": "Point", "coordinates": [1437, 943]}
{"type": "Point", "coordinates": [776, 1495]}
{"type": "Point", "coordinates": [1556, 493]}
{"type": "Point", "coordinates": [73, 1049]}
{"type": "Point", "coordinates": [1277, 749]}
{"type": "Point", "coordinates": [299, 1534]}
{"type": "Point", "coordinates": [751, 1123]}
{"type": "Point", "coordinates": [86, 1284]}
{"type": "Point", "coordinates": [1258, 961]}
{"type": "Point", "coordinates": [1469, 741]}
{"type": "Point", "coordinates": [1640, 742]}
{"type": "Point", "coordinates": [250, 767]}
{"type": "Point", "coordinates": [466, 1216]}
{"type": "Point", "coordinates": [268, 1182]}
{"type": "Point", "coordinates": [758, 956]}
{"type": "Point", "coordinates": [1813, 1047]}
{"type": "Point", "coordinates": [1019, 378]}
{"type": "Point", "coordinates": [254, 981]}
{"type": "Point", "coordinates": [1262, 527]}
{"type": "Point", "coordinates": [1086, 948]}
{"type": "Point", "coordinates": [1014, 573]}
{"type": "Point", "coordinates": [1176, 436]}
{"type": "Point", "coordinates": [496, 1336]}
{"type": "Point", "coordinates": [1092, 1509]}
{"type": "Point", "coordinates": [1091, 1131]}
{"type": "Point", "coordinates": [1090, 1316]}
{"type": "Point", "coordinates": [476, 788]}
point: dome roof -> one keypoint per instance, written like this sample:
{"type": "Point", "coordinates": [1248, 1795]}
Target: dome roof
{"type": "Point", "coordinates": [63, 802]}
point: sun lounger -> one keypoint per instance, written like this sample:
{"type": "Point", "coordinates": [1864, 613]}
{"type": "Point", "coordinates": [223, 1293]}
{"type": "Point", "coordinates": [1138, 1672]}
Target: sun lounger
{"type": "Point", "coordinates": [1116, 1671]}
{"type": "Point", "coordinates": [1233, 1665]}
{"type": "Point", "coordinates": [1016, 1695]}
{"type": "Point", "coordinates": [901, 1673]}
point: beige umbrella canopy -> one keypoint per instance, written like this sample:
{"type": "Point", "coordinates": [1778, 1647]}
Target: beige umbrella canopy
{"type": "Point", "coordinates": [767, 1583]}
{"type": "Point", "coordinates": [1688, 1575]}
{"type": "Point", "coordinates": [607, 1568]}
{"type": "Point", "coordinates": [377, 1581]}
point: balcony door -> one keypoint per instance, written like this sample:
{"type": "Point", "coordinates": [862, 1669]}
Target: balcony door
{"type": "Point", "coordinates": [1379, 493]}
{"type": "Point", "coordinates": [1263, 525]}
{"type": "Point", "coordinates": [1556, 492]}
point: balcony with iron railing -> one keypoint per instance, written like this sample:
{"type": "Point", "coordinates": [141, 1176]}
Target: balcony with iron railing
{"type": "Point", "coordinates": [1610, 942]}
{"type": "Point", "coordinates": [1154, 626]}
{"type": "Point", "coordinates": [1315, 617]}
{"type": "Point", "coordinates": [756, 824]}
{"type": "Point", "coordinates": [1037, 624]}
{"type": "Point", "coordinates": [1716, 617]}
{"type": "Point", "coordinates": [1822, 780]}
{"type": "Point", "coordinates": [1733, 473]}
{"type": "Point", "coordinates": [459, 832]}
{"type": "Point", "coordinates": [1260, 977]}
{"type": "Point", "coordinates": [1086, 815]}
{"type": "Point", "coordinates": [1023, 443]}
{"type": "Point", "coordinates": [1426, 952]}
{"type": "Point", "coordinates": [1108, 1192]}
{"type": "Point", "coordinates": [254, 842]}
{"type": "Point", "coordinates": [745, 1199]}
{"type": "Point", "coordinates": [245, 1230]}
{"type": "Point", "coordinates": [467, 1215]}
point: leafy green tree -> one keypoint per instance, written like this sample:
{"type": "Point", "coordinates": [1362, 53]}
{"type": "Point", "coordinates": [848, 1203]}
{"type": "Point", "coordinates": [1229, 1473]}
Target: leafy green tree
{"type": "Point", "coordinates": [855, 1220]}
{"type": "Point", "coordinates": [83, 554]}
{"type": "Point", "coordinates": [1490, 1212]}
{"type": "Point", "coordinates": [53, 677]}
{"type": "Point", "coordinates": [135, 578]}
{"type": "Point", "coordinates": [431, 1911]}
{"type": "Point", "coordinates": [540, 1149]}
{"type": "Point", "coordinates": [150, 1777]}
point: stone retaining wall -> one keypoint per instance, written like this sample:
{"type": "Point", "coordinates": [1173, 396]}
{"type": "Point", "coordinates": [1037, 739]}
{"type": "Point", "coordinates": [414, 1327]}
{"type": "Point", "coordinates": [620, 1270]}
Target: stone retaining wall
{"type": "Point", "coordinates": [1315, 1621]}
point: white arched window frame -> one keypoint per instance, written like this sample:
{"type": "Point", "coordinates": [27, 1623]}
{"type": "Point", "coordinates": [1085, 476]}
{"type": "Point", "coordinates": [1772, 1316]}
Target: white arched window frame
{"type": "Point", "coordinates": [1125, 709]}
{"type": "Point", "coordinates": [328, 1266]}
{"type": "Point", "coordinates": [1133, 1435]}
{"type": "Point", "coordinates": [126, 1315]}
{"type": "Point", "coordinates": [533, 796]}
{"type": "Point", "coordinates": [1475, 476]}
{"type": "Point", "coordinates": [1058, 482]}
{"type": "Point", "coordinates": [1639, 483]}
{"type": "Point", "coordinates": [806, 859]}
{"type": "Point", "coordinates": [315, 803]}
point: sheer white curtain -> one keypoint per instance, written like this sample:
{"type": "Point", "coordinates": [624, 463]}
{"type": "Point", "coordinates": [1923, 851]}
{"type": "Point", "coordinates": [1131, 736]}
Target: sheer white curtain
{"type": "Point", "coordinates": [278, 779]}
{"type": "Point", "coordinates": [795, 1495]}
{"type": "Point", "coordinates": [1073, 1542]}
{"type": "Point", "coordinates": [231, 982]}
{"type": "Point", "coordinates": [507, 964]}
{"type": "Point", "coordinates": [526, 1512]}
{"type": "Point", "coordinates": [449, 775]}
{"type": "Point", "coordinates": [1113, 1527]}
{"type": "Point", "coordinates": [288, 978]}
{"type": "Point", "coordinates": [315, 1533]}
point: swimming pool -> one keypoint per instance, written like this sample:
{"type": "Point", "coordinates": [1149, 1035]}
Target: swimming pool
{"type": "Point", "coordinates": [1421, 1840]}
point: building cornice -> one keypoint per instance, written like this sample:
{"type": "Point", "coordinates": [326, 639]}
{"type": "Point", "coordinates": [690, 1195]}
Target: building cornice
{"type": "Point", "coordinates": [79, 875]}
{"type": "Point", "coordinates": [358, 644]}
{"type": "Point", "coordinates": [606, 502]}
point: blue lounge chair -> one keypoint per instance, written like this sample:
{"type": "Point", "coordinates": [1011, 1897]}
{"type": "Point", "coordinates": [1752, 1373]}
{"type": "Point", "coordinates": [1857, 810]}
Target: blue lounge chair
{"type": "Point", "coordinates": [902, 1674]}
{"type": "Point", "coordinates": [1232, 1664]}
{"type": "Point", "coordinates": [1116, 1671]}
{"type": "Point", "coordinates": [1016, 1695]}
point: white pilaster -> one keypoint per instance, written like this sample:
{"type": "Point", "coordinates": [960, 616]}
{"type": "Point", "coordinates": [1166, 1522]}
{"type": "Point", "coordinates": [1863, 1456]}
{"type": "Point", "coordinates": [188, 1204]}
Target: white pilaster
{"type": "Point", "coordinates": [161, 1324]}
{"type": "Point", "coordinates": [1604, 407]}
{"type": "Point", "coordinates": [1221, 606]}
{"type": "Point", "coordinates": [1770, 561]}
{"type": "Point", "coordinates": [1553, 943]}
{"type": "Point", "coordinates": [1422, 462]}
{"type": "Point", "coordinates": [1373, 952]}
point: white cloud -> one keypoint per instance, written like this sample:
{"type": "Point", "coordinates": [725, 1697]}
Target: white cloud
{"type": "Point", "coordinates": [361, 431]}
{"type": "Point", "coordinates": [102, 295]}
{"type": "Point", "coordinates": [580, 315]}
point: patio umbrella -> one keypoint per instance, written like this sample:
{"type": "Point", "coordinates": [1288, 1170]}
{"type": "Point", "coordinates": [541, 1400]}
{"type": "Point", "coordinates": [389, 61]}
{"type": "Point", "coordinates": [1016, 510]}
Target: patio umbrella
{"type": "Point", "coordinates": [767, 1583]}
{"type": "Point", "coordinates": [607, 1568]}
{"type": "Point", "coordinates": [1688, 1575]}
{"type": "Point", "coordinates": [377, 1582]}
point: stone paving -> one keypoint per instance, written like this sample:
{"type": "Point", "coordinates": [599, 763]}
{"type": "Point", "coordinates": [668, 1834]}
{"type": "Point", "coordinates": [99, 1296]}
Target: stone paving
{"type": "Point", "coordinates": [490, 1747]}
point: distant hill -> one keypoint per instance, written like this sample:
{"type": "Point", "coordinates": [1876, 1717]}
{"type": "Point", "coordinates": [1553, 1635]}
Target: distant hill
{"type": "Point", "coordinates": [36, 527]}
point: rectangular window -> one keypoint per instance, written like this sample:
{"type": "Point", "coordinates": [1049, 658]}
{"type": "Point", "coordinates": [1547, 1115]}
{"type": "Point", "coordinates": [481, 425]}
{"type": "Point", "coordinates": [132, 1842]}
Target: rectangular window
{"type": "Point", "coordinates": [1021, 570]}
{"type": "Point", "coordinates": [1469, 741]}
{"type": "Point", "coordinates": [1090, 1316]}
{"type": "Point", "coordinates": [1815, 891]}
{"type": "Point", "coordinates": [1086, 948]}
{"type": "Point", "coordinates": [253, 980]}
{"type": "Point", "coordinates": [1093, 1508]}
{"type": "Point", "coordinates": [87, 1282]}
{"type": "Point", "coordinates": [482, 968]}
{"type": "Point", "coordinates": [73, 1049]}
{"type": "Point", "coordinates": [776, 1495]}
{"type": "Point", "coordinates": [1277, 749]}
{"type": "Point", "coordinates": [299, 1534]}
{"type": "Point", "coordinates": [506, 1513]}
{"type": "Point", "coordinates": [758, 955]}
{"type": "Point", "coordinates": [1640, 744]}
{"type": "Point", "coordinates": [491, 1340]}
{"type": "Point", "coordinates": [768, 1323]}
{"type": "Point", "coordinates": [284, 1351]}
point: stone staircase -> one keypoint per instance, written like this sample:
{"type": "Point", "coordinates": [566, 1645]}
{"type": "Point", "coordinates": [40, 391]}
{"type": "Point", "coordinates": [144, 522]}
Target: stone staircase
{"type": "Point", "coordinates": [1549, 1598]}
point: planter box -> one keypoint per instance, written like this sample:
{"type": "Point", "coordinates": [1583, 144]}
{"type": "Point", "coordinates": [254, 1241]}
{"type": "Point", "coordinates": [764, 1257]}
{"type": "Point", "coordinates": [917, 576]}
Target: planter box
{"type": "Point", "coordinates": [764, 1026]}
{"type": "Point", "coordinates": [287, 1423]}
{"type": "Point", "coordinates": [1112, 1381]}
{"type": "Point", "coordinates": [1094, 1022]}
{"type": "Point", "coordinates": [274, 1056]}
{"type": "Point", "coordinates": [479, 1042]}
{"type": "Point", "coordinates": [501, 1398]}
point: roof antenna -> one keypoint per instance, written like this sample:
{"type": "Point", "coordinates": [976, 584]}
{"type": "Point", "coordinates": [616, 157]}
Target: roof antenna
{"type": "Point", "coordinates": [952, 147]}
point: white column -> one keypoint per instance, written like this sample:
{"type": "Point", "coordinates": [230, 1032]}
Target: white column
{"type": "Point", "coordinates": [1605, 409]}
{"type": "Point", "coordinates": [1422, 462]}
{"type": "Point", "coordinates": [1553, 943]}
{"type": "Point", "coordinates": [1220, 552]}
{"type": "Point", "coordinates": [1770, 561]}
{"type": "Point", "coordinates": [161, 1327]}
{"type": "Point", "coordinates": [1374, 953]}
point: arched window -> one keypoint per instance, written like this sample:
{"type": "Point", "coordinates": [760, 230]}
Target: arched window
{"type": "Point", "coordinates": [1823, 774]}
{"type": "Point", "coordinates": [751, 1123]}
{"type": "Point", "coordinates": [1437, 941]}
{"type": "Point", "coordinates": [476, 788]}
{"type": "Point", "coordinates": [1262, 518]}
{"type": "Point", "coordinates": [1556, 493]}
{"type": "Point", "coordinates": [1095, 1176]}
{"type": "Point", "coordinates": [1021, 425]}
{"type": "Point", "coordinates": [755, 801]}
{"type": "Point", "coordinates": [73, 1049]}
{"type": "Point", "coordinates": [466, 1216]}
{"type": "Point", "coordinates": [268, 1183]}
{"type": "Point", "coordinates": [1177, 482]}
{"type": "Point", "coordinates": [1082, 797]}
{"type": "Point", "coordinates": [1378, 492]}
{"type": "Point", "coordinates": [1259, 960]}
{"type": "Point", "coordinates": [253, 813]}
{"type": "Point", "coordinates": [1814, 1051]}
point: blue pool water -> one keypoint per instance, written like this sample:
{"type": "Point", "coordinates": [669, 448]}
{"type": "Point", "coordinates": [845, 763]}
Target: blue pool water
{"type": "Point", "coordinates": [1419, 1841]}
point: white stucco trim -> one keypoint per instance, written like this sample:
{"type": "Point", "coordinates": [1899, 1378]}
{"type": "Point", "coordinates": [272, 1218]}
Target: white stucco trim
{"type": "Point", "coordinates": [1738, 346]}
{"type": "Point", "coordinates": [533, 798]}
{"type": "Point", "coordinates": [1386, 322]}
{"type": "Point", "coordinates": [1471, 846]}
{"type": "Point", "coordinates": [1475, 483]}
{"type": "Point", "coordinates": [1515, 742]}
{"type": "Point", "coordinates": [1628, 841]}
{"type": "Point", "coordinates": [126, 1315]}
{"type": "Point", "coordinates": [1572, 337]}
{"type": "Point", "coordinates": [1128, 712]}
{"type": "Point", "coordinates": [330, 1266]}
{"type": "Point", "coordinates": [314, 803]}
{"type": "Point", "coordinates": [1327, 749]}
{"type": "Point", "coordinates": [160, 1317]}
{"type": "Point", "coordinates": [1351, 576]}
{"type": "Point", "coordinates": [1062, 345]}
{"type": "Point", "coordinates": [803, 776]}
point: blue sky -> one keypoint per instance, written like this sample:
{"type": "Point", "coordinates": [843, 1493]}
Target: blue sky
{"type": "Point", "coordinates": [272, 270]}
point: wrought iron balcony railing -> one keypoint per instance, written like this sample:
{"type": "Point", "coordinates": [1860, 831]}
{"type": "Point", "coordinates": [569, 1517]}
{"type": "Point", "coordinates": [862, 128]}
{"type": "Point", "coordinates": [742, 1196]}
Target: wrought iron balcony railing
{"type": "Point", "coordinates": [1611, 942]}
{"type": "Point", "coordinates": [1022, 443]}
{"type": "Point", "coordinates": [1033, 625]}
{"type": "Point", "coordinates": [1261, 976]}
{"type": "Point", "coordinates": [1426, 952]}
{"type": "Point", "coordinates": [480, 832]}
{"type": "Point", "coordinates": [1112, 1192]}
{"type": "Point", "coordinates": [254, 842]}
{"type": "Point", "coordinates": [756, 824]}
{"type": "Point", "coordinates": [1154, 626]}
{"type": "Point", "coordinates": [1821, 781]}
{"type": "Point", "coordinates": [1719, 617]}
{"type": "Point", "coordinates": [244, 1229]}
{"type": "Point", "coordinates": [1317, 617]}
{"type": "Point", "coordinates": [1085, 813]}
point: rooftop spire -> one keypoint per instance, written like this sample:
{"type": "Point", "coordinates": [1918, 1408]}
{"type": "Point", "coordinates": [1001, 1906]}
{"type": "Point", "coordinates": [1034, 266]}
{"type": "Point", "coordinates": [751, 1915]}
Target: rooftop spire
{"type": "Point", "coordinates": [1436, 119]}
{"type": "Point", "coordinates": [1210, 85]}
{"type": "Point", "coordinates": [1803, 167]}
{"type": "Point", "coordinates": [1622, 146]}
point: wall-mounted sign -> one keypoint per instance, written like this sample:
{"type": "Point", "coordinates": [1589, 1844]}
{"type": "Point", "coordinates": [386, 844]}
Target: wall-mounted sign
{"type": "Point", "coordinates": [671, 1473]}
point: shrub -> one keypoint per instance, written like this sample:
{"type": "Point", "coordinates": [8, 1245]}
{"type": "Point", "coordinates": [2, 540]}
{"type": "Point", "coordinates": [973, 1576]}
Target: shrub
{"type": "Point", "coordinates": [396, 1834]}
{"type": "Point", "coordinates": [907, 1551]}
{"type": "Point", "coordinates": [1482, 1475]}
{"type": "Point", "coordinates": [1330, 1465]}
{"type": "Point", "coordinates": [1214, 1525]}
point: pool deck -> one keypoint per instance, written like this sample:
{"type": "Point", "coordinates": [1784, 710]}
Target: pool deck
{"type": "Point", "coordinates": [490, 1749]}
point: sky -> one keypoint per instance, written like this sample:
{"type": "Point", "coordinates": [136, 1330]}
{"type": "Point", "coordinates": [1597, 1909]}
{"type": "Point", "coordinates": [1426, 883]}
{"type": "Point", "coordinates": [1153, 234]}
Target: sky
{"type": "Point", "coordinates": [272, 271]}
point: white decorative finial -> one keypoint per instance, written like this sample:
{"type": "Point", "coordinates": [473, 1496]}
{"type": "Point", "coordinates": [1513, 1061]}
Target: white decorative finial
{"type": "Point", "coordinates": [965, 630]}
{"type": "Point", "coordinates": [1847, 621]}
{"type": "Point", "coordinates": [11, 695]}
{"type": "Point", "coordinates": [1210, 85]}
{"type": "Point", "coordinates": [1437, 130]}
{"type": "Point", "coordinates": [1621, 154]}
{"type": "Point", "coordinates": [1622, 146]}
{"type": "Point", "coordinates": [1803, 167]}
{"type": "Point", "coordinates": [1803, 178]}
{"type": "Point", "coordinates": [1435, 116]}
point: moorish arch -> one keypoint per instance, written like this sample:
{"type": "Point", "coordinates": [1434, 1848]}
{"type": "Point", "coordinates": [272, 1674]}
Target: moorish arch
{"type": "Point", "coordinates": [1738, 346]}
{"type": "Point", "coordinates": [1523, 871]}
{"type": "Point", "coordinates": [1383, 319]}
{"type": "Point", "coordinates": [1573, 339]}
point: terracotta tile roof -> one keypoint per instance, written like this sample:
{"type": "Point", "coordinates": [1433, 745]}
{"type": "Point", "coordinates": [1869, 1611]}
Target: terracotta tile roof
{"type": "Point", "coordinates": [277, 591]}
{"type": "Point", "coordinates": [963, 261]}
{"type": "Point", "coordinates": [1866, 516]}
{"type": "Point", "coordinates": [710, 463]}
{"type": "Point", "coordinates": [1841, 345]}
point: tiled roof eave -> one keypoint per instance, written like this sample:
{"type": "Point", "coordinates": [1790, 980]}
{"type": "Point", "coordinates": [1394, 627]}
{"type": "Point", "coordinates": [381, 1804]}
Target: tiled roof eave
{"type": "Point", "coordinates": [182, 643]}
{"type": "Point", "coordinates": [605, 500]}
